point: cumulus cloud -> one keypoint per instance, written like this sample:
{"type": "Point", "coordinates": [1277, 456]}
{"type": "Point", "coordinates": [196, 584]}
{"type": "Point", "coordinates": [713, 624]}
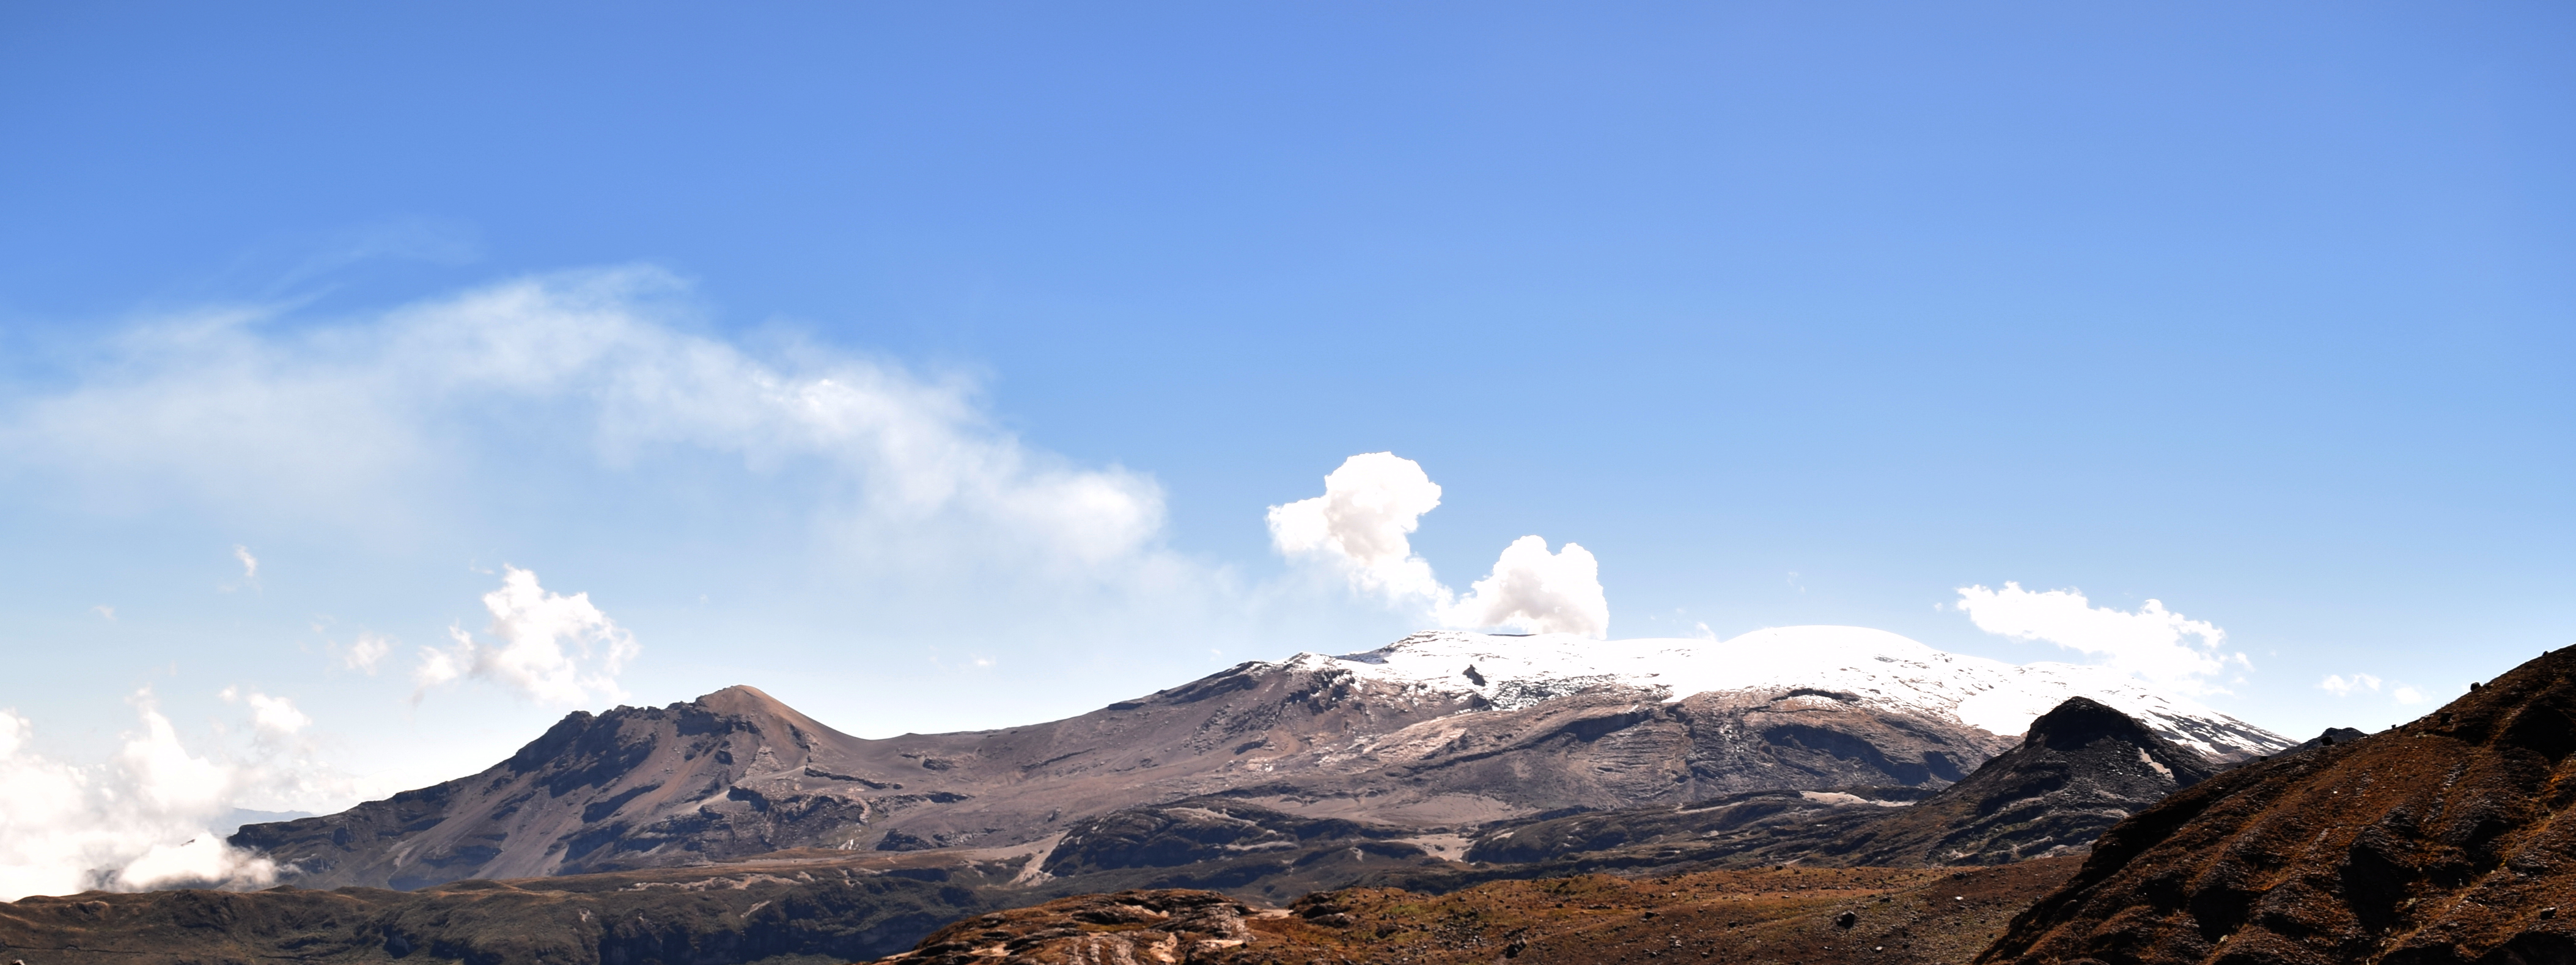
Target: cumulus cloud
{"type": "Point", "coordinates": [553, 648]}
{"type": "Point", "coordinates": [272, 718]}
{"type": "Point", "coordinates": [1534, 591]}
{"type": "Point", "coordinates": [2408, 695]}
{"type": "Point", "coordinates": [1362, 526]}
{"type": "Point", "coordinates": [1362, 523]}
{"type": "Point", "coordinates": [2153, 642]}
{"type": "Point", "coordinates": [369, 422]}
{"type": "Point", "coordinates": [250, 564]}
{"type": "Point", "coordinates": [141, 820]}
{"type": "Point", "coordinates": [2342, 686]}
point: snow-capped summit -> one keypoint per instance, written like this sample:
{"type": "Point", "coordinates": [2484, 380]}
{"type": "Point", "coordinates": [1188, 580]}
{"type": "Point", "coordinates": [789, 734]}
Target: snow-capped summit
{"type": "Point", "coordinates": [1861, 665]}
{"type": "Point", "coordinates": [1435, 731]}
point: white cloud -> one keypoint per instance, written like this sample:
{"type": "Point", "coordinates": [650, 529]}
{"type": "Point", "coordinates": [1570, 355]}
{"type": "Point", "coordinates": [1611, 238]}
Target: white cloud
{"type": "Point", "coordinates": [1370, 506]}
{"type": "Point", "coordinates": [2408, 695]}
{"type": "Point", "coordinates": [366, 654]}
{"type": "Point", "coordinates": [370, 423]}
{"type": "Point", "coordinates": [250, 564]}
{"type": "Point", "coordinates": [1533, 591]}
{"type": "Point", "coordinates": [105, 611]}
{"type": "Point", "coordinates": [554, 648]}
{"type": "Point", "coordinates": [1362, 525]}
{"type": "Point", "coordinates": [272, 718]}
{"type": "Point", "coordinates": [2154, 643]}
{"type": "Point", "coordinates": [140, 820]}
{"type": "Point", "coordinates": [2341, 686]}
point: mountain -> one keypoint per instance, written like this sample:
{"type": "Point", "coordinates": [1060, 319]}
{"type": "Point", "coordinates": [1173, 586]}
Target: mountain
{"type": "Point", "coordinates": [2444, 840]}
{"type": "Point", "coordinates": [2080, 769]}
{"type": "Point", "coordinates": [1434, 733]}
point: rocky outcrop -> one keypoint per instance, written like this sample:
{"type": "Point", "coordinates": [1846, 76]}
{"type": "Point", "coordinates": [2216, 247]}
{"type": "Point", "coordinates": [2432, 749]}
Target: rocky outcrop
{"type": "Point", "coordinates": [1204, 830]}
{"type": "Point", "coordinates": [1170, 926]}
{"type": "Point", "coordinates": [2082, 768]}
{"type": "Point", "coordinates": [2441, 841]}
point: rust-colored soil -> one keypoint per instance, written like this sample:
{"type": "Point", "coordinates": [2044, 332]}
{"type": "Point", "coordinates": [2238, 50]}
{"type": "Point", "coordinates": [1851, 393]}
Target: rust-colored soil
{"type": "Point", "coordinates": [2447, 840]}
{"type": "Point", "coordinates": [1896, 916]}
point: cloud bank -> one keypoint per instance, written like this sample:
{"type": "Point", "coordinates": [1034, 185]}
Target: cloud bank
{"type": "Point", "coordinates": [141, 820]}
{"type": "Point", "coordinates": [366, 423]}
{"type": "Point", "coordinates": [2153, 643]}
{"type": "Point", "coordinates": [1362, 526]}
{"type": "Point", "coordinates": [553, 649]}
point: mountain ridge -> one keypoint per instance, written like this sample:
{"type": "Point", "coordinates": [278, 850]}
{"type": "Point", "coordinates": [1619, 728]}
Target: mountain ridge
{"type": "Point", "coordinates": [2440, 841]}
{"type": "Point", "coordinates": [1394, 735]}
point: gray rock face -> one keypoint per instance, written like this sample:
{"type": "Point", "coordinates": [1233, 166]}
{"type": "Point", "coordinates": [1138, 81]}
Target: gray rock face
{"type": "Point", "coordinates": [736, 773]}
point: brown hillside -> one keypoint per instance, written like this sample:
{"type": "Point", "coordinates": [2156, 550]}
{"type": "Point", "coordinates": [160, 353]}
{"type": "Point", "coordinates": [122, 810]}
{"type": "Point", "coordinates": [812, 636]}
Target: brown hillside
{"type": "Point", "coordinates": [1786, 916]}
{"type": "Point", "coordinates": [2437, 842]}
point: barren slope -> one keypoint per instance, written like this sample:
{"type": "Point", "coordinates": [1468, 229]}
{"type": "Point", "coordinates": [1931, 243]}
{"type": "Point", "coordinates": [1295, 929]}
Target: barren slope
{"type": "Point", "coordinates": [2441, 841]}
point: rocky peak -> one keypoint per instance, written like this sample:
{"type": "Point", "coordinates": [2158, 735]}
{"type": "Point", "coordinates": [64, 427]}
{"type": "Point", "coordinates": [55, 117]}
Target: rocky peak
{"type": "Point", "coordinates": [2081, 721]}
{"type": "Point", "coordinates": [2438, 841]}
{"type": "Point", "coordinates": [734, 772]}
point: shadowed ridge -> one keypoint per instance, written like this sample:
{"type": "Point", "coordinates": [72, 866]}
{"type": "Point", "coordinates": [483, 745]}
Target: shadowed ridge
{"type": "Point", "coordinates": [2080, 721]}
{"type": "Point", "coordinates": [2080, 769]}
{"type": "Point", "coordinates": [2433, 843]}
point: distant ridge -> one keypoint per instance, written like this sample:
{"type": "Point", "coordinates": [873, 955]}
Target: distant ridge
{"type": "Point", "coordinates": [1432, 734]}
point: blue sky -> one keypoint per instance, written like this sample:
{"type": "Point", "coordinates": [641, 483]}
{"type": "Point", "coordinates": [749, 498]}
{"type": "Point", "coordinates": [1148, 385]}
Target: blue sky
{"type": "Point", "coordinates": [1787, 314]}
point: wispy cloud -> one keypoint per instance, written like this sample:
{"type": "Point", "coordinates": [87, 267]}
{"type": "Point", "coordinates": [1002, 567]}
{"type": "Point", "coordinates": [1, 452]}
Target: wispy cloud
{"type": "Point", "coordinates": [2151, 642]}
{"type": "Point", "coordinates": [366, 424]}
{"type": "Point", "coordinates": [2342, 686]}
{"type": "Point", "coordinates": [366, 653]}
{"type": "Point", "coordinates": [250, 568]}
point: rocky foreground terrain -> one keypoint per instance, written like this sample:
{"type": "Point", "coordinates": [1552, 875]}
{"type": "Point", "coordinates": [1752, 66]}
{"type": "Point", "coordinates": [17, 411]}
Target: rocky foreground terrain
{"type": "Point", "coordinates": [1899, 917]}
{"type": "Point", "coordinates": [2446, 840]}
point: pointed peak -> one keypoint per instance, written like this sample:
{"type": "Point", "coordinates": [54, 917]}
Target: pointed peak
{"type": "Point", "coordinates": [745, 700]}
{"type": "Point", "coordinates": [753, 704]}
